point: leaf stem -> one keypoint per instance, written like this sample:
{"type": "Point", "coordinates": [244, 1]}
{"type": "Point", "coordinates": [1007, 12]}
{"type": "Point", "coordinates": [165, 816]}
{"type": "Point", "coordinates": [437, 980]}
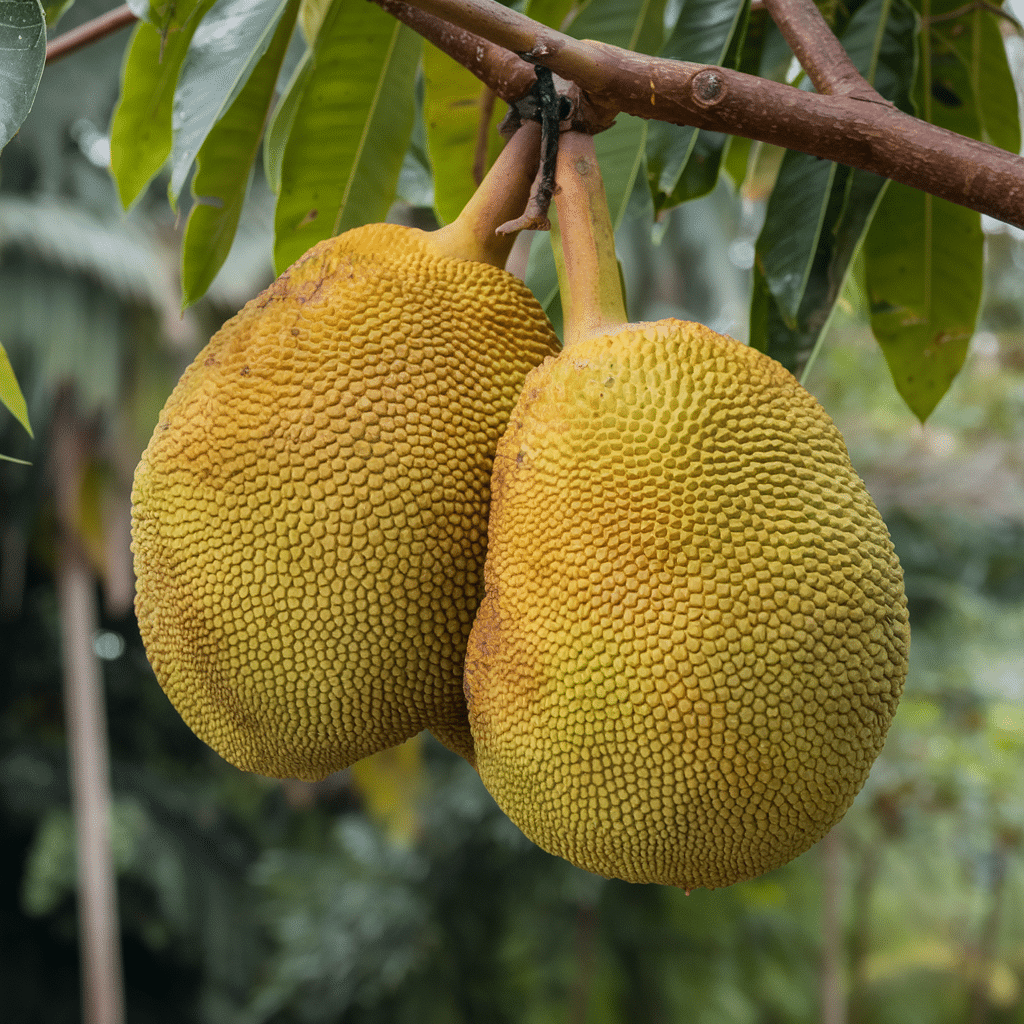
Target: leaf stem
{"type": "Point", "coordinates": [592, 300]}
{"type": "Point", "coordinates": [502, 195]}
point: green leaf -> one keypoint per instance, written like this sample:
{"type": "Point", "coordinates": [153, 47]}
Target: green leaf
{"type": "Point", "coordinates": [351, 128]}
{"type": "Point", "coordinates": [791, 334]}
{"type": "Point", "coordinates": [224, 168]}
{"type": "Point", "coordinates": [549, 12]}
{"type": "Point", "coordinates": [924, 270]}
{"type": "Point", "coordinates": [140, 132]}
{"type": "Point", "coordinates": [282, 121]}
{"type": "Point", "coordinates": [55, 10]}
{"type": "Point", "coordinates": [226, 47]}
{"type": "Point", "coordinates": [993, 85]}
{"type": "Point", "coordinates": [22, 56]}
{"type": "Point", "coordinates": [637, 25]}
{"type": "Point", "coordinates": [452, 112]}
{"type": "Point", "coordinates": [10, 392]}
{"type": "Point", "coordinates": [819, 211]}
{"type": "Point", "coordinates": [682, 161]}
{"type": "Point", "coordinates": [970, 86]}
{"type": "Point", "coordinates": [736, 159]}
{"type": "Point", "coordinates": [924, 257]}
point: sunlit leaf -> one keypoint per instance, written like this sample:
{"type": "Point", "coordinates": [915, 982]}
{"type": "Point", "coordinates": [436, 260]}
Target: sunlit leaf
{"type": "Point", "coordinates": [10, 392]}
{"type": "Point", "coordinates": [458, 125]}
{"type": "Point", "coordinates": [311, 17]}
{"type": "Point", "coordinates": [140, 132]}
{"type": "Point", "coordinates": [226, 47]}
{"type": "Point", "coordinates": [351, 128]}
{"type": "Point", "coordinates": [224, 168]}
{"type": "Point", "coordinates": [549, 12]}
{"type": "Point", "coordinates": [282, 120]}
{"type": "Point", "coordinates": [391, 784]}
{"type": "Point", "coordinates": [22, 56]}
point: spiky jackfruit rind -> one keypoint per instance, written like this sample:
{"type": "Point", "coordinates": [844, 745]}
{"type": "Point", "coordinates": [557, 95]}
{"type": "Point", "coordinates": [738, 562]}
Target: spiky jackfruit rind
{"type": "Point", "coordinates": [309, 519]}
{"type": "Point", "coordinates": [694, 635]}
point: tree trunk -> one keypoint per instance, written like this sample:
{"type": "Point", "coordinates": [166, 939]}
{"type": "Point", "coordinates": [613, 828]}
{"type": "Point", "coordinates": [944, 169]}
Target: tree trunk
{"type": "Point", "coordinates": [99, 938]}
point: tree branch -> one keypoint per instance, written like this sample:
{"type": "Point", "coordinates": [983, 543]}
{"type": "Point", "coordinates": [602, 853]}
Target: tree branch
{"type": "Point", "coordinates": [868, 134]}
{"type": "Point", "coordinates": [820, 54]}
{"type": "Point", "coordinates": [504, 72]}
{"type": "Point", "coordinates": [90, 32]}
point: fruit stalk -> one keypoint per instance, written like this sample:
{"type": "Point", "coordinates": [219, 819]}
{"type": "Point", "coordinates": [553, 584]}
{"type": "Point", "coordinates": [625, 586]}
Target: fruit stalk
{"type": "Point", "coordinates": [501, 197]}
{"type": "Point", "coordinates": [592, 300]}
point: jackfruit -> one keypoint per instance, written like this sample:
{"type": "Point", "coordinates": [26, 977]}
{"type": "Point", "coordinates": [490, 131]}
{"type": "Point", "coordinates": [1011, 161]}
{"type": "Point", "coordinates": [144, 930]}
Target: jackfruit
{"type": "Point", "coordinates": [309, 518]}
{"type": "Point", "coordinates": [694, 634]}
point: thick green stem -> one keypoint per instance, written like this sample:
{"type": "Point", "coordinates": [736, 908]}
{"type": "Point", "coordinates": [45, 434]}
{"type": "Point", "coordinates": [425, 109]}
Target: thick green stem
{"type": "Point", "coordinates": [592, 301]}
{"type": "Point", "coordinates": [501, 197]}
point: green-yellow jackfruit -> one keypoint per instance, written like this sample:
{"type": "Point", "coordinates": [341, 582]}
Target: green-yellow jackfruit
{"type": "Point", "coordinates": [694, 634]}
{"type": "Point", "coordinates": [309, 518]}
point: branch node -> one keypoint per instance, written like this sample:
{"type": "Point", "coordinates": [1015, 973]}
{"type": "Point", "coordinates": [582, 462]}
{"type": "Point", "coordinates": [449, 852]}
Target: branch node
{"type": "Point", "coordinates": [539, 51]}
{"type": "Point", "coordinates": [708, 87]}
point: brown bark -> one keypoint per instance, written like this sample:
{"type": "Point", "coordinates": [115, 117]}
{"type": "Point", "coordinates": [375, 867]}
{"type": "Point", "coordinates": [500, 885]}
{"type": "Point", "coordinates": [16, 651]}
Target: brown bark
{"type": "Point", "coordinates": [820, 54]}
{"type": "Point", "coordinates": [90, 32]}
{"type": "Point", "coordinates": [846, 122]}
{"type": "Point", "coordinates": [861, 130]}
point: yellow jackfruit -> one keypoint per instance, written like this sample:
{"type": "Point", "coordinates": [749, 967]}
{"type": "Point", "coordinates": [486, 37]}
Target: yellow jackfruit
{"type": "Point", "coordinates": [309, 518]}
{"type": "Point", "coordinates": [694, 634]}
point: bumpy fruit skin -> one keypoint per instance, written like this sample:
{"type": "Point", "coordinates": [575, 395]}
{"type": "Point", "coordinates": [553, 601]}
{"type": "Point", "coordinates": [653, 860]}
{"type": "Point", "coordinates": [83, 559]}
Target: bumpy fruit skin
{"type": "Point", "coordinates": [309, 519]}
{"type": "Point", "coordinates": [694, 634]}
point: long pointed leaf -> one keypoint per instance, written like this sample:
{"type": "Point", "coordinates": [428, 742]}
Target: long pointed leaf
{"type": "Point", "coordinates": [22, 56]}
{"type": "Point", "coordinates": [282, 120]}
{"type": "Point", "coordinates": [227, 46]}
{"type": "Point", "coordinates": [10, 392]}
{"type": "Point", "coordinates": [819, 211]}
{"type": "Point", "coordinates": [140, 132]}
{"type": "Point", "coordinates": [637, 25]}
{"type": "Point", "coordinates": [683, 162]}
{"type": "Point", "coordinates": [924, 257]}
{"type": "Point", "coordinates": [452, 112]}
{"type": "Point", "coordinates": [224, 168]}
{"type": "Point", "coordinates": [924, 281]}
{"type": "Point", "coordinates": [351, 129]}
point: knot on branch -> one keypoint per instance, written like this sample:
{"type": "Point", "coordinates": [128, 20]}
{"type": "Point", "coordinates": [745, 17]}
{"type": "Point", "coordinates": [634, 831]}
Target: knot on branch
{"type": "Point", "coordinates": [708, 87]}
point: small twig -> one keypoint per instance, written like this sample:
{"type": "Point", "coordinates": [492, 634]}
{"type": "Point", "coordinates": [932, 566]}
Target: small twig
{"type": "Point", "coordinates": [970, 8]}
{"type": "Point", "coordinates": [542, 104]}
{"type": "Point", "coordinates": [91, 32]}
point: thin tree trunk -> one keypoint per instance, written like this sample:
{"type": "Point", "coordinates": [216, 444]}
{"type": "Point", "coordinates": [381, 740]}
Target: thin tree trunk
{"type": "Point", "coordinates": [99, 938]}
{"type": "Point", "coordinates": [988, 941]}
{"type": "Point", "coordinates": [860, 930]}
{"type": "Point", "coordinates": [833, 1003]}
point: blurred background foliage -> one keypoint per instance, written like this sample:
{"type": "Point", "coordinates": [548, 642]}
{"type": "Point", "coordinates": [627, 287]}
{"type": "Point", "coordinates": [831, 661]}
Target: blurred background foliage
{"type": "Point", "coordinates": [396, 891]}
